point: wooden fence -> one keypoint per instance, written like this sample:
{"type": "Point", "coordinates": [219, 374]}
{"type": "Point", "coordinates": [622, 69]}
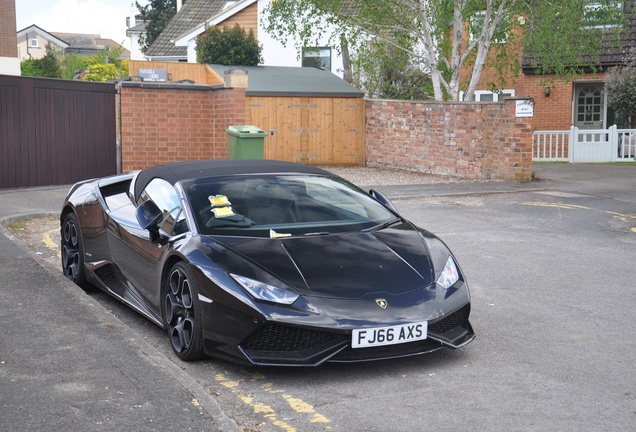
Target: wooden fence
{"type": "Point", "coordinates": [55, 132]}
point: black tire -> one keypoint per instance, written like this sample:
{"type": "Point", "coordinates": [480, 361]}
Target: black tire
{"type": "Point", "coordinates": [72, 246]}
{"type": "Point", "coordinates": [182, 313]}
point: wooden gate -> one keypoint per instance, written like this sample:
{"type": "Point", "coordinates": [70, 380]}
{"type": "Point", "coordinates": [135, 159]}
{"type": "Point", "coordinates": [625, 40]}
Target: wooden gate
{"type": "Point", "coordinates": [55, 132]}
{"type": "Point", "coordinates": [585, 145]}
{"type": "Point", "coordinates": [310, 130]}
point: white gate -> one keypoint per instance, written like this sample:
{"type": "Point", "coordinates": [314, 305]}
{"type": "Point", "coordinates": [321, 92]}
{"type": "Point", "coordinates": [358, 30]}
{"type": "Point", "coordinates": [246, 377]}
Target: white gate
{"type": "Point", "coordinates": [585, 145]}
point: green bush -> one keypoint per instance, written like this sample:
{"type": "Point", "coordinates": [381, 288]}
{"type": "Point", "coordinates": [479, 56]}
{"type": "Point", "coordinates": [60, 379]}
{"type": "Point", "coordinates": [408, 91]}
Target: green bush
{"type": "Point", "coordinates": [31, 68]}
{"type": "Point", "coordinates": [229, 46]}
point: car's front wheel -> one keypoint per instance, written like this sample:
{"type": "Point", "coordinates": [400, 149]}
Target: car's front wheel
{"type": "Point", "coordinates": [72, 246]}
{"type": "Point", "coordinates": [182, 313]}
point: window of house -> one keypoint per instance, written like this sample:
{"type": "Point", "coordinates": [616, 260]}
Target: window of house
{"type": "Point", "coordinates": [589, 104]}
{"type": "Point", "coordinates": [488, 96]}
{"type": "Point", "coordinates": [33, 41]}
{"type": "Point", "coordinates": [599, 15]}
{"type": "Point", "coordinates": [319, 57]}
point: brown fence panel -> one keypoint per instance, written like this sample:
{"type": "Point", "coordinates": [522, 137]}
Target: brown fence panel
{"type": "Point", "coordinates": [310, 130]}
{"type": "Point", "coordinates": [55, 131]}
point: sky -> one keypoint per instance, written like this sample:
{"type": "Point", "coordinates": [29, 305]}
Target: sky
{"type": "Point", "coordinates": [104, 17]}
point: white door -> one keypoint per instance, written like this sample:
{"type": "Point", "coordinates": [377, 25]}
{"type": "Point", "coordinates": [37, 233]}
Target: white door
{"type": "Point", "coordinates": [592, 142]}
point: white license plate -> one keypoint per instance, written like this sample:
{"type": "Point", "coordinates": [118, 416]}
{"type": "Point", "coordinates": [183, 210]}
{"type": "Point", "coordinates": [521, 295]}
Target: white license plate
{"type": "Point", "coordinates": [363, 338]}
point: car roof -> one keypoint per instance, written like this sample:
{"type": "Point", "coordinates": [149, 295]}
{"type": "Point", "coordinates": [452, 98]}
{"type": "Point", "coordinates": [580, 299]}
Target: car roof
{"type": "Point", "coordinates": [177, 171]}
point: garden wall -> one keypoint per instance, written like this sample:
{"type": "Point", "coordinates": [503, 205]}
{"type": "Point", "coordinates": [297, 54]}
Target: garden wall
{"type": "Point", "coordinates": [162, 123]}
{"type": "Point", "coordinates": [481, 141]}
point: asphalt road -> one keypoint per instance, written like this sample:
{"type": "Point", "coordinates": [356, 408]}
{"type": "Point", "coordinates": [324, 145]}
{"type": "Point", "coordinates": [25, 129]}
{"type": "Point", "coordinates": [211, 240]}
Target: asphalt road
{"type": "Point", "coordinates": [551, 271]}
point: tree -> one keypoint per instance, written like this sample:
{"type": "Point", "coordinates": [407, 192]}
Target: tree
{"type": "Point", "coordinates": [394, 74]}
{"type": "Point", "coordinates": [229, 46]}
{"type": "Point", "coordinates": [50, 63]}
{"type": "Point", "coordinates": [156, 14]}
{"type": "Point", "coordinates": [102, 72]}
{"type": "Point", "coordinates": [70, 64]}
{"type": "Point", "coordinates": [453, 39]}
{"type": "Point", "coordinates": [30, 67]}
{"type": "Point", "coordinates": [106, 65]}
{"type": "Point", "coordinates": [620, 85]}
{"type": "Point", "coordinates": [47, 66]}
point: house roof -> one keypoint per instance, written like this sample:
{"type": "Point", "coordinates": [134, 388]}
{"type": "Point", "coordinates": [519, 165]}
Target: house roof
{"type": "Point", "coordinates": [193, 13]}
{"type": "Point", "coordinates": [215, 19]}
{"type": "Point", "coordinates": [79, 40]}
{"type": "Point", "coordinates": [292, 81]}
{"type": "Point", "coordinates": [50, 36]}
{"type": "Point", "coordinates": [608, 57]}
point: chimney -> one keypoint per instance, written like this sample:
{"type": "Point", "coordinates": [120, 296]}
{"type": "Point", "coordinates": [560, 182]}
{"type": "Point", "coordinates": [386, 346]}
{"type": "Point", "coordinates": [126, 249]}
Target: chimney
{"type": "Point", "coordinates": [132, 21]}
{"type": "Point", "coordinates": [179, 4]}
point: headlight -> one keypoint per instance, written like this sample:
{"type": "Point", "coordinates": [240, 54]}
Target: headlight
{"type": "Point", "coordinates": [449, 275]}
{"type": "Point", "coordinates": [262, 291]}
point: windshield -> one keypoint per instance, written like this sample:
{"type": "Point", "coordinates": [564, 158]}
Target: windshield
{"type": "Point", "coordinates": [281, 205]}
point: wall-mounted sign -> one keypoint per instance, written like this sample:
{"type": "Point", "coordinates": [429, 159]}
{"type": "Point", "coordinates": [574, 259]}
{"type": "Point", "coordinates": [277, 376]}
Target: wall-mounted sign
{"type": "Point", "coordinates": [525, 108]}
{"type": "Point", "coordinates": [152, 74]}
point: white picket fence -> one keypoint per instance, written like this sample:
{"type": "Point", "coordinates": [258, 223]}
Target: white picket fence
{"type": "Point", "coordinates": [585, 145]}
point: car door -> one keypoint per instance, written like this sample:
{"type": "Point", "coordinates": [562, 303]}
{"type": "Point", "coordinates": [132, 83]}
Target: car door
{"type": "Point", "coordinates": [139, 254]}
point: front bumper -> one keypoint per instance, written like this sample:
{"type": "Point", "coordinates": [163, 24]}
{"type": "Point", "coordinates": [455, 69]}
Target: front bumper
{"type": "Point", "coordinates": [277, 344]}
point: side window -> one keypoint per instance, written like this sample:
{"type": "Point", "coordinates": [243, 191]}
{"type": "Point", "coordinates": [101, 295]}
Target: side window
{"type": "Point", "coordinates": [166, 198]}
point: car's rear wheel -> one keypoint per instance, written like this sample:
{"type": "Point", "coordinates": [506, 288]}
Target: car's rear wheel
{"type": "Point", "coordinates": [72, 246]}
{"type": "Point", "coordinates": [182, 313]}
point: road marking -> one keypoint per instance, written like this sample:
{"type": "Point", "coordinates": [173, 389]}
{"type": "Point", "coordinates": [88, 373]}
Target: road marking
{"type": "Point", "coordinates": [50, 243]}
{"type": "Point", "coordinates": [267, 411]}
{"type": "Point", "coordinates": [555, 205]}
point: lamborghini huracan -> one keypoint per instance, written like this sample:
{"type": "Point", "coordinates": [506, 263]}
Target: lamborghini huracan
{"type": "Point", "coordinates": [265, 263]}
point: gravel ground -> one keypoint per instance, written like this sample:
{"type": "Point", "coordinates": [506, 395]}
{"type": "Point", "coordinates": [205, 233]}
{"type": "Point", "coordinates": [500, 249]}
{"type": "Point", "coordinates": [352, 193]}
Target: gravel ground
{"type": "Point", "coordinates": [370, 176]}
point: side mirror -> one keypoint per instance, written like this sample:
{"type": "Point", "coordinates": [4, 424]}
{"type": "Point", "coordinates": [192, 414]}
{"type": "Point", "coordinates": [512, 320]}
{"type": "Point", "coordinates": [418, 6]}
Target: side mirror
{"type": "Point", "coordinates": [382, 199]}
{"type": "Point", "coordinates": [149, 215]}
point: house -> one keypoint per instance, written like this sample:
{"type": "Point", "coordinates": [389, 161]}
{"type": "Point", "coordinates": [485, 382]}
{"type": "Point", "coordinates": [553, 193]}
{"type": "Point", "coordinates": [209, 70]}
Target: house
{"type": "Point", "coordinates": [32, 42]}
{"type": "Point", "coordinates": [135, 28]}
{"type": "Point", "coordinates": [9, 61]}
{"type": "Point", "coordinates": [559, 104]}
{"type": "Point", "coordinates": [178, 40]}
{"type": "Point", "coordinates": [571, 118]}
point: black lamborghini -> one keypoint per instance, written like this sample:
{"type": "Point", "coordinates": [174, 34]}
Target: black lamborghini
{"type": "Point", "coordinates": [264, 262]}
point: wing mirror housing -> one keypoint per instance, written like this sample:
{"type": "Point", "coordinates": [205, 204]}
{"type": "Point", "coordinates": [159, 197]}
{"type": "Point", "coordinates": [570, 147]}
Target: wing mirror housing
{"type": "Point", "coordinates": [382, 199]}
{"type": "Point", "coordinates": [149, 216]}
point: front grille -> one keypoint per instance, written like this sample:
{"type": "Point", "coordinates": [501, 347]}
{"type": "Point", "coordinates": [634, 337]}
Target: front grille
{"type": "Point", "coordinates": [459, 318]}
{"type": "Point", "coordinates": [279, 338]}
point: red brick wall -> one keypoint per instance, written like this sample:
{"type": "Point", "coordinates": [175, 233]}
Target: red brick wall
{"type": "Point", "coordinates": [161, 124]}
{"type": "Point", "coordinates": [8, 38]}
{"type": "Point", "coordinates": [468, 140]}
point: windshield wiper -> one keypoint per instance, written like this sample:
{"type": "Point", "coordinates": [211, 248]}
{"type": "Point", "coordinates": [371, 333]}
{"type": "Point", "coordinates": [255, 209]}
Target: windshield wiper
{"type": "Point", "coordinates": [383, 225]}
{"type": "Point", "coordinates": [318, 233]}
